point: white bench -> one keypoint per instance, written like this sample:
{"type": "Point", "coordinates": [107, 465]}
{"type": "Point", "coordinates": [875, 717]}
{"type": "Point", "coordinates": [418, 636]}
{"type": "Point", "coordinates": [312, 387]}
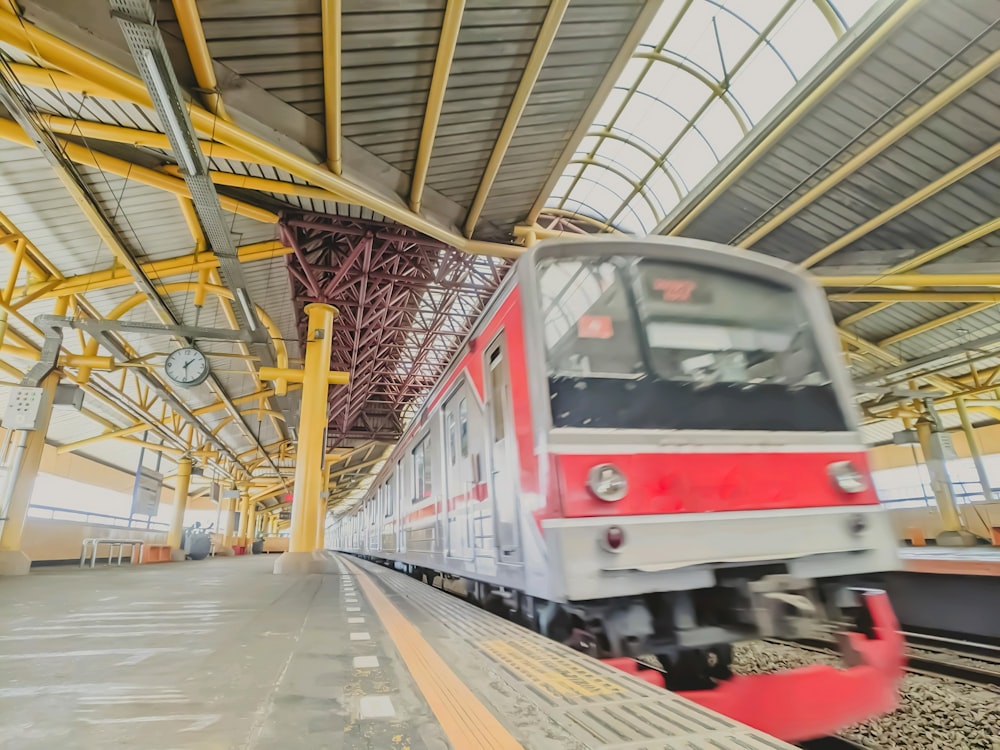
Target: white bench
{"type": "Point", "coordinates": [94, 542]}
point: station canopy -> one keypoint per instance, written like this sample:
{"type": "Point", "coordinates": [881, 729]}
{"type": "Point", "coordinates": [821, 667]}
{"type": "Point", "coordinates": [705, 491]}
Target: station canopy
{"type": "Point", "coordinates": [178, 164]}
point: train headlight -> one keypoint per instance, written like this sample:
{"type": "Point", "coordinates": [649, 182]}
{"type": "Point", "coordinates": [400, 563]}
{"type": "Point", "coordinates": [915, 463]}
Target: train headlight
{"type": "Point", "coordinates": [846, 476]}
{"type": "Point", "coordinates": [607, 482]}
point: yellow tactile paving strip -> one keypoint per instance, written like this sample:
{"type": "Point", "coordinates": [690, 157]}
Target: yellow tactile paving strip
{"type": "Point", "coordinates": [468, 724]}
{"type": "Point", "coordinates": [547, 671]}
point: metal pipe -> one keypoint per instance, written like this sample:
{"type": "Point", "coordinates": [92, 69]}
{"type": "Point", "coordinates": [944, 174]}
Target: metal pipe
{"type": "Point", "coordinates": [912, 120]}
{"type": "Point", "coordinates": [822, 87]}
{"type": "Point", "coordinates": [447, 43]}
{"type": "Point", "coordinates": [197, 49]}
{"type": "Point", "coordinates": [330, 23]}
{"type": "Point", "coordinates": [10, 131]}
{"type": "Point", "coordinates": [66, 57]}
{"type": "Point", "coordinates": [539, 52]}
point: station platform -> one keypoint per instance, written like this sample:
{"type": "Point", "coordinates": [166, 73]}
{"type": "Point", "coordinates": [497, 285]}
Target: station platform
{"type": "Point", "coordinates": [966, 561]}
{"type": "Point", "coordinates": [222, 654]}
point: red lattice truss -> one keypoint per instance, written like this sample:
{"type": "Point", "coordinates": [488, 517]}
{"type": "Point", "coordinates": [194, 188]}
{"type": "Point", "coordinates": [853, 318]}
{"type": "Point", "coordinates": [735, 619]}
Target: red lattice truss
{"type": "Point", "coordinates": [405, 300]}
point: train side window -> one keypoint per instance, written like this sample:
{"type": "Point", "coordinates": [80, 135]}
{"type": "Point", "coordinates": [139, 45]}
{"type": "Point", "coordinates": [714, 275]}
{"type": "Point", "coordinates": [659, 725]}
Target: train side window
{"type": "Point", "coordinates": [496, 394]}
{"type": "Point", "coordinates": [422, 487]}
{"type": "Point", "coordinates": [463, 427]}
{"type": "Point", "coordinates": [451, 438]}
{"type": "Point", "coordinates": [418, 472]}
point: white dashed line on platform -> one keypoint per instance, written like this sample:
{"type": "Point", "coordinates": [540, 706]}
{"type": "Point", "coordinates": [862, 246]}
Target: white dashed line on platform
{"type": "Point", "coordinates": [360, 636]}
{"type": "Point", "coordinates": [377, 707]}
{"type": "Point", "coordinates": [366, 662]}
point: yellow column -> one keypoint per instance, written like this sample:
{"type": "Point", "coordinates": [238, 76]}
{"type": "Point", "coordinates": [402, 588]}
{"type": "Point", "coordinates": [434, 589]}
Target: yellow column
{"type": "Point", "coordinates": [977, 456]}
{"type": "Point", "coordinates": [309, 467]}
{"type": "Point", "coordinates": [241, 537]}
{"type": "Point", "coordinates": [229, 511]}
{"type": "Point", "coordinates": [28, 448]}
{"type": "Point", "coordinates": [953, 532]}
{"type": "Point", "coordinates": [180, 503]}
{"type": "Point", "coordinates": [940, 481]}
{"type": "Point", "coordinates": [251, 525]}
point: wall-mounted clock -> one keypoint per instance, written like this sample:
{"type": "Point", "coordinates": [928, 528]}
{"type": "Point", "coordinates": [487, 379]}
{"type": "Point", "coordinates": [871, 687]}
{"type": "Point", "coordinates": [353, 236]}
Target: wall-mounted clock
{"type": "Point", "coordinates": [186, 367]}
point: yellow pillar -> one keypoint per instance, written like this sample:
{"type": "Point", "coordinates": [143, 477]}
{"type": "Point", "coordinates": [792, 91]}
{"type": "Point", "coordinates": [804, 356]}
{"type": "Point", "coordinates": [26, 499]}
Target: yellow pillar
{"type": "Point", "coordinates": [229, 511]}
{"type": "Point", "coordinates": [28, 447]}
{"type": "Point", "coordinates": [180, 503]}
{"type": "Point", "coordinates": [241, 537]}
{"type": "Point", "coordinates": [251, 525]}
{"type": "Point", "coordinates": [953, 532]}
{"type": "Point", "coordinates": [310, 473]}
{"type": "Point", "coordinates": [977, 456]}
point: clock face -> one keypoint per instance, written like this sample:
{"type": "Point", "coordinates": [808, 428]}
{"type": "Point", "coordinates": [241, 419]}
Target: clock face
{"type": "Point", "coordinates": [186, 367]}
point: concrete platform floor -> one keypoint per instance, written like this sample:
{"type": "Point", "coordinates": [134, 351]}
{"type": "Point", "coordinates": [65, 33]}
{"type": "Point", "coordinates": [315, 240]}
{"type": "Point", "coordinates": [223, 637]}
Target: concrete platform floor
{"type": "Point", "coordinates": [208, 655]}
{"type": "Point", "coordinates": [222, 654]}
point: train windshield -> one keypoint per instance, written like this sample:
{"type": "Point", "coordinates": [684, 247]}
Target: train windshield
{"type": "Point", "coordinates": [647, 344]}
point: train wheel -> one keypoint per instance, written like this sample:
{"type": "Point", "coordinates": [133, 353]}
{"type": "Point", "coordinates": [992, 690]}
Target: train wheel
{"type": "Point", "coordinates": [698, 669]}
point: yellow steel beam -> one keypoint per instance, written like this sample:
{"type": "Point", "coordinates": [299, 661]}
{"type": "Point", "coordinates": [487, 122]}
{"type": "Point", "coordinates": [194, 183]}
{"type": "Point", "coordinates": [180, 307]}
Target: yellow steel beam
{"type": "Point", "coordinates": [180, 287]}
{"type": "Point", "coordinates": [910, 280]}
{"type": "Point", "coordinates": [539, 52]}
{"type": "Point", "coordinates": [629, 45]}
{"type": "Point", "coordinates": [915, 118]}
{"type": "Point", "coordinates": [946, 180]}
{"type": "Point", "coordinates": [891, 276]}
{"type": "Point", "coordinates": [46, 78]}
{"type": "Point", "coordinates": [631, 92]}
{"type": "Point", "coordinates": [157, 270]}
{"type": "Point", "coordinates": [201, 61]}
{"type": "Point", "coordinates": [132, 430]}
{"type": "Point", "coordinates": [861, 314]}
{"type": "Point", "coordinates": [77, 62]}
{"type": "Point", "coordinates": [136, 137]}
{"type": "Point", "coordinates": [830, 14]}
{"type": "Point", "coordinates": [881, 296]}
{"type": "Point", "coordinates": [823, 87]}
{"type": "Point", "coordinates": [331, 25]}
{"type": "Point", "coordinates": [263, 184]}
{"type": "Point", "coordinates": [11, 131]}
{"type": "Point", "coordinates": [447, 43]}
{"type": "Point", "coordinates": [719, 91]}
{"type": "Point", "coordinates": [936, 323]}
{"type": "Point", "coordinates": [946, 247]}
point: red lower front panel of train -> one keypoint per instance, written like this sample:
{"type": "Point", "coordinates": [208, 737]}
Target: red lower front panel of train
{"type": "Point", "coordinates": [814, 701]}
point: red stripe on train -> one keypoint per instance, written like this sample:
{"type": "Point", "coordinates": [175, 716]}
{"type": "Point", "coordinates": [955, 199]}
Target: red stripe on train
{"type": "Point", "coordinates": [710, 482]}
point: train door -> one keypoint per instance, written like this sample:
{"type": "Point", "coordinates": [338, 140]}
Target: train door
{"type": "Point", "coordinates": [402, 505]}
{"type": "Point", "coordinates": [459, 496]}
{"type": "Point", "coordinates": [502, 452]}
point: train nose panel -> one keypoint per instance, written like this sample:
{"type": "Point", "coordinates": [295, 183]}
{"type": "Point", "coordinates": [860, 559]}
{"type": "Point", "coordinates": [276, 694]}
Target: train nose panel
{"type": "Point", "coordinates": [814, 701]}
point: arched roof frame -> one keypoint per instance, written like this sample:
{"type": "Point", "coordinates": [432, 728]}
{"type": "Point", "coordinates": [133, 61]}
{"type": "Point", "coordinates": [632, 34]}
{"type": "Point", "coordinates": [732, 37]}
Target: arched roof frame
{"type": "Point", "coordinates": [748, 37]}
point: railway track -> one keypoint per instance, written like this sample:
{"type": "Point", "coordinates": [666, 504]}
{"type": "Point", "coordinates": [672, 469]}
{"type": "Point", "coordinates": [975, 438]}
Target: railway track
{"type": "Point", "coordinates": [933, 656]}
{"type": "Point", "coordinates": [832, 743]}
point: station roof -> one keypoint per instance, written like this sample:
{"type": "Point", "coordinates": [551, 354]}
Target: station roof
{"type": "Point", "coordinates": [428, 141]}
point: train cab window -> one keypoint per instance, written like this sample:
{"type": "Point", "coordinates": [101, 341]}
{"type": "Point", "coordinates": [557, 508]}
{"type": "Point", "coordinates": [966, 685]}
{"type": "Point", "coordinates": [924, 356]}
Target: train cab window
{"type": "Point", "coordinates": [587, 322]}
{"type": "Point", "coordinates": [463, 426]}
{"type": "Point", "coordinates": [644, 343]}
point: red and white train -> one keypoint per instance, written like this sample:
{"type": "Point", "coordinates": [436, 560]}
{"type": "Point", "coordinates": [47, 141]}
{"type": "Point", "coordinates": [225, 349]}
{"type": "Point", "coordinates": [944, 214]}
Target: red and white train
{"type": "Point", "coordinates": [650, 447]}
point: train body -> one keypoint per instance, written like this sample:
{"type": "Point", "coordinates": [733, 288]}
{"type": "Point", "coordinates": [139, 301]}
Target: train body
{"type": "Point", "coordinates": [643, 447]}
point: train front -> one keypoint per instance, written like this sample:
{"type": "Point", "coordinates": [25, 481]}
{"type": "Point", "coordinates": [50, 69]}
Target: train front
{"type": "Point", "coordinates": [700, 438]}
